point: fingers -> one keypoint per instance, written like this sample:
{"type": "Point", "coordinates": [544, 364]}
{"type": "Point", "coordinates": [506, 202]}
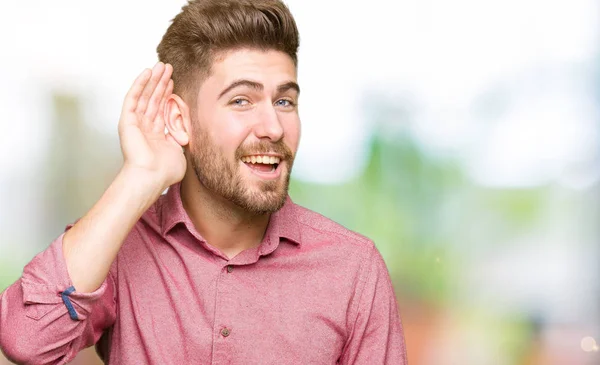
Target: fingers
{"type": "Point", "coordinates": [144, 98]}
{"type": "Point", "coordinates": [147, 97]}
{"type": "Point", "coordinates": [159, 93]}
{"type": "Point", "coordinates": [134, 93]}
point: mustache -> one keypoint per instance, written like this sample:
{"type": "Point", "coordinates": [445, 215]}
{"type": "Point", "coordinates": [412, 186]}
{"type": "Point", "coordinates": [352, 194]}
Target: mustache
{"type": "Point", "coordinates": [264, 147]}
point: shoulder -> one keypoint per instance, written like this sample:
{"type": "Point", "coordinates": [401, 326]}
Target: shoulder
{"type": "Point", "coordinates": [317, 228]}
{"type": "Point", "coordinates": [349, 256]}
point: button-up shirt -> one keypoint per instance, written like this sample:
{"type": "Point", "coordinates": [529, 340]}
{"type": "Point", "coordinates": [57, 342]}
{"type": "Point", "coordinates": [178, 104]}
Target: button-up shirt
{"type": "Point", "coordinates": [312, 292]}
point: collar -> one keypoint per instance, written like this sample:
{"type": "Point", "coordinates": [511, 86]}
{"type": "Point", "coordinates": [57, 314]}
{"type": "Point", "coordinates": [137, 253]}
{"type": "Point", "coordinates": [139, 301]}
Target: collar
{"type": "Point", "coordinates": [172, 211]}
{"type": "Point", "coordinates": [282, 224]}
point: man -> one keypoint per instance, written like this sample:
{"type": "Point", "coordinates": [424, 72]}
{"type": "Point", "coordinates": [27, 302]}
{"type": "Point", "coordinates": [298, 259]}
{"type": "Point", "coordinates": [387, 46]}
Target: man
{"type": "Point", "coordinates": [224, 268]}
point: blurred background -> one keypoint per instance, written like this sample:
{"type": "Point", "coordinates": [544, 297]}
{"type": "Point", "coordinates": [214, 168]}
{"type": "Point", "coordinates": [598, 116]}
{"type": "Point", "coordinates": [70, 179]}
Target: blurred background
{"type": "Point", "coordinates": [462, 136]}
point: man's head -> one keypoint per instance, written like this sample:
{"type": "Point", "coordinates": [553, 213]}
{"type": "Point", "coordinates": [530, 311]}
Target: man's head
{"type": "Point", "coordinates": [234, 68]}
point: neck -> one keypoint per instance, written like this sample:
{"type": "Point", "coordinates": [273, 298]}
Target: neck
{"type": "Point", "coordinates": [221, 223]}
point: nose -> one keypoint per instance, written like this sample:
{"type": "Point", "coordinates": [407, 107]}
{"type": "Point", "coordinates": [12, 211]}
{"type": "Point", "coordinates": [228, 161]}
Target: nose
{"type": "Point", "coordinates": [268, 125]}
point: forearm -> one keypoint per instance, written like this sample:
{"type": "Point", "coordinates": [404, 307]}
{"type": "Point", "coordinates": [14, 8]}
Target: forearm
{"type": "Point", "coordinates": [92, 244]}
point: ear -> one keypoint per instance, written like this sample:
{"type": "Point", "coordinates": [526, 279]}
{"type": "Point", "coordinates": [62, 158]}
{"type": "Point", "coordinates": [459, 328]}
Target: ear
{"type": "Point", "coordinates": [177, 119]}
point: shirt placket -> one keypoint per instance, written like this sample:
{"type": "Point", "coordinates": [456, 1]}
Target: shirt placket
{"type": "Point", "coordinates": [224, 335]}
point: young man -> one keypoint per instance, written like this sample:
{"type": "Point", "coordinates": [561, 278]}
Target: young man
{"type": "Point", "coordinates": [224, 268]}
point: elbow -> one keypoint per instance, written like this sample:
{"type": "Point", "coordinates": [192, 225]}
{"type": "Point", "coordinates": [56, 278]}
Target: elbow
{"type": "Point", "coordinates": [14, 349]}
{"type": "Point", "coordinates": [11, 335]}
{"type": "Point", "coordinates": [17, 341]}
{"type": "Point", "coordinates": [24, 340]}
{"type": "Point", "coordinates": [23, 349]}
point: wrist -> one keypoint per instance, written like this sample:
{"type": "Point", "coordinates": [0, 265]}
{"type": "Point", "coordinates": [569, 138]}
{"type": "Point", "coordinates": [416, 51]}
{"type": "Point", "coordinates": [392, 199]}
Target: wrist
{"type": "Point", "coordinates": [140, 184]}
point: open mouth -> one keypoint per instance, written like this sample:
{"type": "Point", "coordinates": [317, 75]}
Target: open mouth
{"type": "Point", "coordinates": [262, 164]}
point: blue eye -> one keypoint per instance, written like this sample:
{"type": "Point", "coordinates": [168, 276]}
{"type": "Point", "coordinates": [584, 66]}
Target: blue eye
{"type": "Point", "coordinates": [284, 102]}
{"type": "Point", "coordinates": [240, 102]}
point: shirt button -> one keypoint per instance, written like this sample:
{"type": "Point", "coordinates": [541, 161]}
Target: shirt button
{"type": "Point", "coordinates": [229, 268]}
{"type": "Point", "coordinates": [225, 332]}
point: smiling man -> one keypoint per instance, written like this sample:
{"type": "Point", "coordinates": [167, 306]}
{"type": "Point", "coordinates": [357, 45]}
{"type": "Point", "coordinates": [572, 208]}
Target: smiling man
{"type": "Point", "coordinates": [224, 268]}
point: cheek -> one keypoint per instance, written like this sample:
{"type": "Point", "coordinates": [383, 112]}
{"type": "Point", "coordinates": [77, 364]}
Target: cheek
{"type": "Point", "coordinates": [230, 130]}
{"type": "Point", "coordinates": [292, 132]}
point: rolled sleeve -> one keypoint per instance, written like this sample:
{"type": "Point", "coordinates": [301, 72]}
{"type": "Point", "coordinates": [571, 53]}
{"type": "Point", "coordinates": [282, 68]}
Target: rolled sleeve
{"type": "Point", "coordinates": [44, 320]}
{"type": "Point", "coordinates": [46, 278]}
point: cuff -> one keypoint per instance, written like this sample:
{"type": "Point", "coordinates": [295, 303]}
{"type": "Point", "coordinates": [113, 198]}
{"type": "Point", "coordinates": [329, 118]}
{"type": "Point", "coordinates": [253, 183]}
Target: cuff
{"type": "Point", "coordinates": [46, 283]}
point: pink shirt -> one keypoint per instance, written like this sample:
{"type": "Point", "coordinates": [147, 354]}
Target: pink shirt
{"type": "Point", "coordinates": [313, 292]}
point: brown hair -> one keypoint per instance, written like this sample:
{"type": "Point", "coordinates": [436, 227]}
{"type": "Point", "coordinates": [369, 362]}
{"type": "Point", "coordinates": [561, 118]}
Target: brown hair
{"type": "Point", "coordinates": [204, 28]}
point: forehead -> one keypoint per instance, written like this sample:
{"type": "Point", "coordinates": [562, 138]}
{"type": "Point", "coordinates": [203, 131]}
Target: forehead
{"type": "Point", "coordinates": [268, 67]}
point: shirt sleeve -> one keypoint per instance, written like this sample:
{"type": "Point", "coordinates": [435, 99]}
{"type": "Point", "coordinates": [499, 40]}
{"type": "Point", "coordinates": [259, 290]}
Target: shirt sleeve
{"type": "Point", "coordinates": [375, 334]}
{"type": "Point", "coordinates": [44, 320]}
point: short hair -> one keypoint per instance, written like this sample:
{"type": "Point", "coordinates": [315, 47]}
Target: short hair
{"type": "Point", "coordinates": [205, 28]}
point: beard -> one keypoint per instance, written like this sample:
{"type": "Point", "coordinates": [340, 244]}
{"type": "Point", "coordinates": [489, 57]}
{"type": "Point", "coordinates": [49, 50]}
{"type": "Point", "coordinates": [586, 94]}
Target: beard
{"type": "Point", "coordinates": [224, 178]}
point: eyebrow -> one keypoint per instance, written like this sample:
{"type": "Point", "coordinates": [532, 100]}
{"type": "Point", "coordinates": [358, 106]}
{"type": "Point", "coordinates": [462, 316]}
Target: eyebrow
{"type": "Point", "coordinates": [291, 85]}
{"type": "Point", "coordinates": [251, 84]}
{"type": "Point", "coordinates": [288, 86]}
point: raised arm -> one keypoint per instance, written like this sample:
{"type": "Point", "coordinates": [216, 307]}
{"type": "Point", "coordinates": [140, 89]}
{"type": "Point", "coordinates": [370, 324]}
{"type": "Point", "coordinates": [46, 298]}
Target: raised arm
{"type": "Point", "coordinates": [152, 162]}
{"type": "Point", "coordinates": [65, 298]}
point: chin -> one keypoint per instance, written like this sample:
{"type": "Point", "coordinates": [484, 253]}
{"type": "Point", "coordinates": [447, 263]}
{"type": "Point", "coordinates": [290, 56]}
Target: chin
{"type": "Point", "coordinates": [263, 202]}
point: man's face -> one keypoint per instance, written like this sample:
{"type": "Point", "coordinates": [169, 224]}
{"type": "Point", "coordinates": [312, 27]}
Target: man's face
{"type": "Point", "coordinates": [246, 129]}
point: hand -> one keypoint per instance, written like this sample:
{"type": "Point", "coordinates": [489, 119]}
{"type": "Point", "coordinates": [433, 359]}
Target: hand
{"type": "Point", "coordinates": [148, 151]}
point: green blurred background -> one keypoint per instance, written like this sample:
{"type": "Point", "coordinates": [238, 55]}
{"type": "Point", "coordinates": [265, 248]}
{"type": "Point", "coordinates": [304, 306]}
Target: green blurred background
{"type": "Point", "coordinates": [462, 137]}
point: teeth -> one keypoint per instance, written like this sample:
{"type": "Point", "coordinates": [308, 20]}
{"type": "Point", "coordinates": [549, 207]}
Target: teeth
{"type": "Point", "coordinates": [269, 160]}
